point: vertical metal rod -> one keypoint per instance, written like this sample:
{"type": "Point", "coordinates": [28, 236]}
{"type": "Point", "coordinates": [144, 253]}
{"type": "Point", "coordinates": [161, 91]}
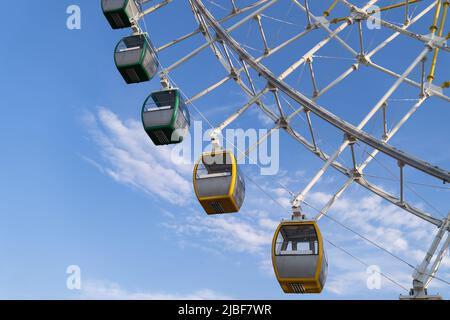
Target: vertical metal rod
{"type": "Point", "coordinates": [300, 197]}
{"type": "Point", "coordinates": [263, 35]}
{"type": "Point", "coordinates": [361, 41]}
{"type": "Point", "coordinates": [422, 79]}
{"type": "Point", "coordinates": [407, 21]}
{"type": "Point", "coordinates": [311, 131]}
{"type": "Point", "coordinates": [436, 50]}
{"type": "Point", "coordinates": [352, 149]}
{"type": "Point", "coordinates": [235, 9]}
{"type": "Point", "coordinates": [313, 77]}
{"type": "Point", "coordinates": [370, 158]}
{"type": "Point", "coordinates": [327, 12]}
{"type": "Point", "coordinates": [401, 166]}
{"type": "Point", "coordinates": [308, 17]}
{"type": "Point", "coordinates": [277, 99]}
{"type": "Point", "coordinates": [227, 54]}
{"type": "Point", "coordinates": [384, 108]}
{"type": "Point", "coordinates": [247, 73]}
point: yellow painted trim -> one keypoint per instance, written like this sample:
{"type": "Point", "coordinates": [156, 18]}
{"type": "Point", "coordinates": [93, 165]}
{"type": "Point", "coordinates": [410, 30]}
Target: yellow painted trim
{"type": "Point", "coordinates": [233, 174]}
{"type": "Point", "coordinates": [433, 27]}
{"type": "Point", "coordinates": [327, 12]}
{"type": "Point", "coordinates": [393, 6]}
{"type": "Point", "coordinates": [430, 77]}
{"type": "Point", "coordinates": [210, 198]}
{"type": "Point", "coordinates": [194, 180]}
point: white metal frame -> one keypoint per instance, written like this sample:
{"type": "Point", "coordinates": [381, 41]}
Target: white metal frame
{"type": "Point", "coordinates": [220, 41]}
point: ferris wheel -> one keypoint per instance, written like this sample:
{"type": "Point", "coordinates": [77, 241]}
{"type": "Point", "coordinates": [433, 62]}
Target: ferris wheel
{"type": "Point", "coordinates": [298, 254]}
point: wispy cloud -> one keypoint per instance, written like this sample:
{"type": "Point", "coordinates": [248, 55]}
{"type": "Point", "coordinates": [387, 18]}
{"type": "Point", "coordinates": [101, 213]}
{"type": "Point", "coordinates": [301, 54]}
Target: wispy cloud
{"type": "Point", "coordinates": [130, 158]}
{"type": "Point", "coordinates": [230, 232]}
{"type": "Point", "coordinates": [104, 290]}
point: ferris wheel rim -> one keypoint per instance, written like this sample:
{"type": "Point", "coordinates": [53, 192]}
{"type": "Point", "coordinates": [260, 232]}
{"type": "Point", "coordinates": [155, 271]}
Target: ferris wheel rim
{"type": "Point", "coordinates": [320, 111]}
{"type": "Point", "coordinates": [398, 201]}
{"type": "Point", "coordinates": [352, 134]}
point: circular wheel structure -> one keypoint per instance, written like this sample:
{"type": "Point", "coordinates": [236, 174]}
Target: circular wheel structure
{"type": "Point", "coordinates": [294, 60]}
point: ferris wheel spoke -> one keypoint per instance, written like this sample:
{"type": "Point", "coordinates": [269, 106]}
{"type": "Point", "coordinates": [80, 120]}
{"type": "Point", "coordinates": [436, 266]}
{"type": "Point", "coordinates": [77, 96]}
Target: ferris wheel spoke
{"type": "Point", "coordinates": [263, 138]}
{"type": "Point", "coordinates": [355, 66]}
{"type": "Point", "coordinates": [438, 260]}
{"type": "Point", "coordinates": [322, 22]}
{"type": "Point", "coordinates": [255, 98]}
{"type": "Point", "coordinates": [309, 61]}
{"type": "Point", "coordinates": [362, 182]}
{"type": "Point", "coordinates": [262, 33]}
{"type": "Point", "coordinates": [346, 127]}
{"type": "Point", "coordinates": [371, 157]}
{"type": "Point", "coordinates": [366, 58]}
{"type": "Point", "coordinates": [153, 8]}
{"type": "Point", "coordinates": [243, 68]}
{"type": "Point", "coordinates": [350, 138]}
{"type": "Point", "coordinates": [433, 41]}
{"type": "Point", "coordinates": [429, 89]}
{"type": "Point", "coordinates": [199, 30]}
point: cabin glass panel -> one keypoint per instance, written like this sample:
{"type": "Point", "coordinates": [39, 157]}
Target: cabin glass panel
{"type": "Point", "coordinates": [129, 50]}
{"type": "Point", "coordinates": [297, 240]}
{"type": "Point", "coordinates": [159, 109]}
{"type": "Point", "coordinates": [297, 251]}
{"type": "Point", "coordinates": [136, 59]}
{"type": "Point", "coordinates": [214, 175]}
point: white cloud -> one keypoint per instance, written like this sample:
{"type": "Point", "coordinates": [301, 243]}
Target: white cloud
{"type": "Point", "coordinates": [103, 290]}
{"type": "Point", "coordinates": [130, 158]}
{"type": "Point", "coordinates": [228, 231]}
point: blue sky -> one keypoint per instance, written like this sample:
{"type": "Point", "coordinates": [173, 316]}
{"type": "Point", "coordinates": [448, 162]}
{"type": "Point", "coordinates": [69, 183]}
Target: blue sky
{"type": "Point", "coordinates": [81, 184]}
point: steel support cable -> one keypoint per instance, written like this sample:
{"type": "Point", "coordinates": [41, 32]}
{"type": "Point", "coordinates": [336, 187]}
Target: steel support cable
{"type": "Point", "coordinates": [336, 221]}
{"type": "Point", "coordinates": [374, 243]}
{"type": "Point", "coordinates": [356, 65]}
{"type": "Point", "coordinates": [316, 209]}
{"type": "Point", "coordinates": [361, 181]}
{"type": "Point", "coordinates": [410, 182]}
{"type": "Point", "coordinates": [398, 5]}
{"type": "Point", "coordinates": [407, 185]}
{"type": "Point", "coordinates": [366, 265]}
{"type": "Point", "coordinates": [212, 127]}
{"type": "Point", "coordinates": [423, 38]}
{"type": "Point", "coordinates": [197, 31]}
{"type": "Point", "coordinates": [320, 111]}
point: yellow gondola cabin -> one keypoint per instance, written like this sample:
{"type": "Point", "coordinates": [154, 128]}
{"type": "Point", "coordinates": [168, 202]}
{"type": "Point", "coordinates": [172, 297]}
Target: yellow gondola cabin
{"type": "Point", "coordinates": [298, 257]}
{"type": "Point", "coordinates": [218, 183]}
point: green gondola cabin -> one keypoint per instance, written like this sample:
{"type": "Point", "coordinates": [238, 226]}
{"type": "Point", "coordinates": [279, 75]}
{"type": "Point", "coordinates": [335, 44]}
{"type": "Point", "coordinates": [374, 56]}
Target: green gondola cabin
{"type": "Point", "coordinates": [165, 117]}
{"type": "Point", "coordinates": [136, 59]}
{"type": "Point", "coordinates": [119, 13]}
